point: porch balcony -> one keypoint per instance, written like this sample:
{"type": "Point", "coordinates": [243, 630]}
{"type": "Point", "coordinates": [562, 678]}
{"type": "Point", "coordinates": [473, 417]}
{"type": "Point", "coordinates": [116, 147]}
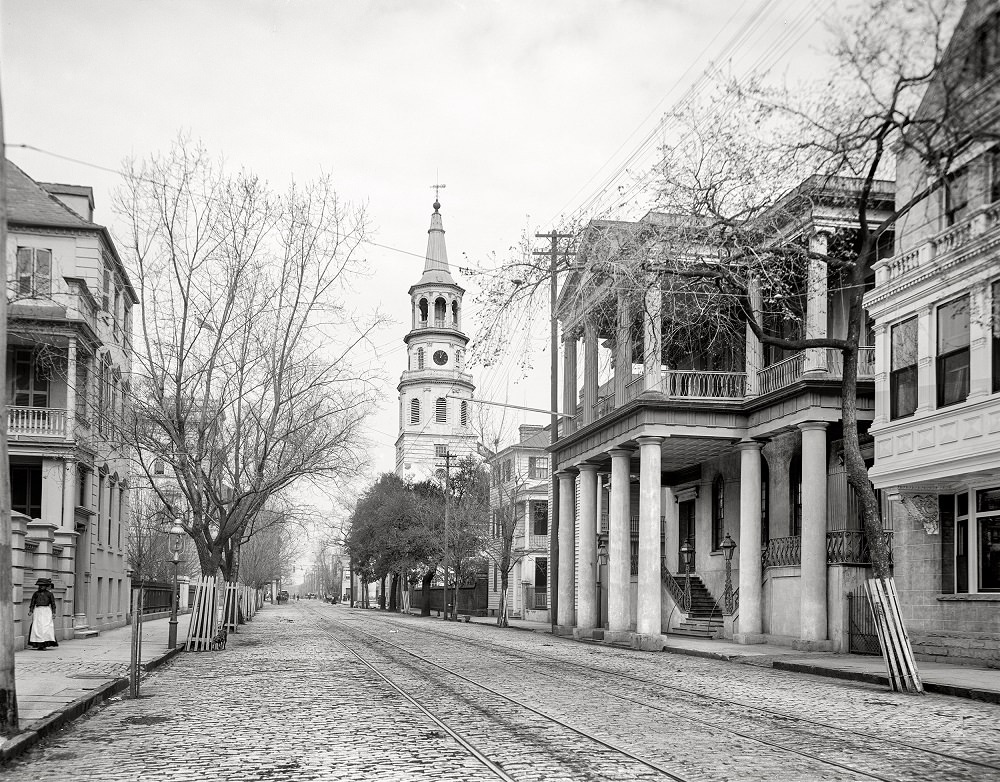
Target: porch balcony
{"type": "Point", "coordinates": [843, 547]}
{"type": "Point", "coordinates": [36, 423]}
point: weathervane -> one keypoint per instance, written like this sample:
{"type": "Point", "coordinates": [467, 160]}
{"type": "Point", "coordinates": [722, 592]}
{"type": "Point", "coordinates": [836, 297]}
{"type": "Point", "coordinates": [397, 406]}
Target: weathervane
{"type": "Point", "coordinates": [437, 194]}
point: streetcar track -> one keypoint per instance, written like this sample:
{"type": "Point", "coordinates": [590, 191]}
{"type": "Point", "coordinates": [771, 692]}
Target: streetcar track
{"type": "Point", "coordinates": [726, 701]}
{"type": "Point", "coordinates": [520, 704]}
{"type": "Point", "coordinates": [522, 658]}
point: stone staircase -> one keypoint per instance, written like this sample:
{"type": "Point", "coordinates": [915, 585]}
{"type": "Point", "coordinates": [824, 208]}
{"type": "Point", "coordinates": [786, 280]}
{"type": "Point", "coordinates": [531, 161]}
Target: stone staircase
{"type": "Point", "coordinates": [705, 617]}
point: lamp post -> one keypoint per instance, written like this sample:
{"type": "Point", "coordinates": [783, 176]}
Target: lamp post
{"type": "Point", "coordinates": [602, 560]}
{"type": "Point", "coordinates": [176, 543]}
{"type": "Point", "coordinates": [728, 546]}
{"type": "Point", "coordinates": [687, 554]}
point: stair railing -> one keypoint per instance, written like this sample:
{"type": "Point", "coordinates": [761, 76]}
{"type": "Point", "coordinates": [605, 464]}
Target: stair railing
{"type": "Point", "coordinates": [676, 591]}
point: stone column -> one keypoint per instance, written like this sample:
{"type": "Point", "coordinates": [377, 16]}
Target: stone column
{"type": "Point", "coordinates": [586, 577]}
{"type": "Point", "coordinates": [815, 358]}
{"type": "Point", "coordinates": [813, 579]}
{"type": "Point", "coordinates": [883, 361]}
{"type": "Point", "coordinates": [568, 425]}
{"type": "Point", "coordinates": [653, 339]}
{"type": "Point", "coordinates": [751, 595]}
{"type": "Point", "coordinates": [648, 599]}
{"type": "Point", "coordinates": [589, 370]}
{"type": "Point", "coordinates": [619, 544]}
{"type": "Point", "coordinates": [754, 352]}
{"type": "Point", "coordinates": [567, 550]}
{"type": "Point", "coordinates": [623, 350]}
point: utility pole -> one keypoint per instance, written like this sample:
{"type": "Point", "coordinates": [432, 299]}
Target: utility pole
{"type": "Point", "coordinates": [448, 456]}
{"type": "Point", "coordinates": [553, 253]}
{"type": "Point", "coordinates": [8, 695]}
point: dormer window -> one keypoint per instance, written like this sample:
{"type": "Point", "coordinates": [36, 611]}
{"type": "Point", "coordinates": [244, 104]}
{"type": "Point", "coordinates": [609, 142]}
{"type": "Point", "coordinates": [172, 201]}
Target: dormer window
{"type": "Point", "coordinates": [34, 271]}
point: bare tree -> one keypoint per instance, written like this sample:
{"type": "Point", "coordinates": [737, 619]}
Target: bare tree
{"type": "Point", "coordinates": [244, 384]}
{"type": "Point", "coordinates": [498, 543]}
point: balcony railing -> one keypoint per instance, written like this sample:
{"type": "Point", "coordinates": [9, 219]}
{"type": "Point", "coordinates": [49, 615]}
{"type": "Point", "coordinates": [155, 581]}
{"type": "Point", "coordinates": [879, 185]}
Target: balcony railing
{"type": "Point", "coordinates": [538, 542]}
{"type": "Point", "coordinates": [49, 422]}
{"type": "Point", "coordinates": [695, 384]}
{"type": "Point", "coordinates": [604, 406]}
{"type": "Point", "coordinates": [536, 599]}
{"type": "Point", "coordinates": [866, 362]}
{"type": "Point", "coordinates": [782, 374]}
{"type": "Point", "coordinates": [782, 552]}
{"type": "Point", "coordinates": [850, 547]}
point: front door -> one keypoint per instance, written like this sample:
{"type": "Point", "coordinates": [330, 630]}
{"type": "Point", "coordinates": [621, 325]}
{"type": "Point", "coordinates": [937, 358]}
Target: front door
{"type": "Point", "coordinates": [685, 529]}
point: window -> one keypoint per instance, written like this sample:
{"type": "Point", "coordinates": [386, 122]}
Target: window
{"type": "Point", "coordinates": [993, 164]}
{"type": "Point", "coordinates": [539, 517]}
{"type": "Point", "coordinates": [414, 411]}
{"type": "Point", "coordinates": [420, 358]}
{"type": "Point", "coordinates": [441, 410]}
{"type": "Point", "coordinates": [159, 468]}
{"type": "Point", "coordinates": [795, 496]}
{"type": "Point", "coordinates": [101, 502]}
{"type": "Point", "coordinates": [82, 387]}
{"type": "Point", "coordinates": [953, 352]}
{"type": "Point", "coordinates": [538, 467]}
{"type": "Point", "coordinates": [26, 489]}
{"type": "Point", "coordinates": [541, 574]}
{"type": "Point", "coordinates": [113, 504]}
{"type": "Point", "coordinates": [984, 49]}
{"type": "Point", "coordinates": [440, 310]}
{"type": "Point", "coordinates": [995, 289]}
{"type": "Point", "coordinates": [718, 512]}
{"type": "Point", "coordinates": [507, 469]}
{"type": "Point", "coordinates": [956, 196]}
{"type": "Point", "coordinates": [454, 313]}
{"type": "Point", "coordinates": [423, 312]}
{"type": "Point", "coordinates": [106, 293]}
{"type": "Point", "coordinates": [903, 369]}
{"type": "Point", "coordinates": [465, 413]}
{"type": "Point", "coordinates": [82, 487]}
{"type": "Point", "coordinates": [440, 450]}
{"type": "Point", "coordinates": [29, 381]}
{"type": "Point", "coordinates": [34, 271]}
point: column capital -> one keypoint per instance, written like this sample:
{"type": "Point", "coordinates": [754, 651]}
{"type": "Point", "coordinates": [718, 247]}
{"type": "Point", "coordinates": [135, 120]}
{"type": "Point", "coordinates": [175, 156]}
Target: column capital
{"type": "Point", "coordinates": [807, 425]}
{"type": "Point", "coordinates": [648, 439]}
{"type": "Point", "coordinates": [621, 452]}
{"type": "Point", "coordinates": [750, 445]}
{"type": "Point", "coordinates": [566, 474]}
{"type": "Point", "coordinates": [588, 467]}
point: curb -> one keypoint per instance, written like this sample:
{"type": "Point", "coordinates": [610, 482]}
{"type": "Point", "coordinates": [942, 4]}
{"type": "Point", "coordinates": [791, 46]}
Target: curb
{"type": "Point", "coordinates": [23, 741]}
{"type": "Point", "coordinates": [958, 691]}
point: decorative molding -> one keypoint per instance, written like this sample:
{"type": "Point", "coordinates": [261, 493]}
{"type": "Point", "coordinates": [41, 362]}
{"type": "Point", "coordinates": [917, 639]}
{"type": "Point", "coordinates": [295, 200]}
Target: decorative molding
{"type": "Point", "coordinates": [922, 508]}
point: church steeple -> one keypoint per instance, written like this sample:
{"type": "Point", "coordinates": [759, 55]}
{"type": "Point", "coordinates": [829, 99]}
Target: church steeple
{"type": "Point", "coordinates": [436, 268]}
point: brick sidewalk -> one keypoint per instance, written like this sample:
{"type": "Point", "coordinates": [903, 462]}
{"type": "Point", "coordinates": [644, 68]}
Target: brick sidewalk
{"type": "Point", "coordinates": [59, 684]}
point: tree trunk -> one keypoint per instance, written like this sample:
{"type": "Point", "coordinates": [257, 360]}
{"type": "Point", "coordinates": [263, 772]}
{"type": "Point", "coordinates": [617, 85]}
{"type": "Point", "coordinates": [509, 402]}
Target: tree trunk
{"type": "Point", "coordinates": [8, 694]}
{"type": "Point", "coordinates": [394, 595]}
{"type": "Point", "coordinates": [503, 615]}
{"type": "Point", "coordinates": [425, 590]}
{"type": "Point", "coordinates": [381, 594]}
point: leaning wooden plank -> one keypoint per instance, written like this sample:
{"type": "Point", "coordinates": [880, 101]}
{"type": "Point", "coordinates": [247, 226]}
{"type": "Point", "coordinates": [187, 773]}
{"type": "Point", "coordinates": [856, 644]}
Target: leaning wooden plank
{"type": "Point", "coordinates": [878, 614]}
{"type": "Point", "coordinates": [913, 674]}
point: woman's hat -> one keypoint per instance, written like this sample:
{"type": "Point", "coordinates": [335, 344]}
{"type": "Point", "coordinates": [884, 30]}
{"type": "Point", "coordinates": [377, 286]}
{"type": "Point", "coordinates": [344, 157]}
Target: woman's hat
{"type": "Point", "coordinates": [44, 582]}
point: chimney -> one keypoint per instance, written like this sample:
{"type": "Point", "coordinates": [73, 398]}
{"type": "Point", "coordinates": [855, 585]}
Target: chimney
{"type": "Point", "coordinates": [527, 431]}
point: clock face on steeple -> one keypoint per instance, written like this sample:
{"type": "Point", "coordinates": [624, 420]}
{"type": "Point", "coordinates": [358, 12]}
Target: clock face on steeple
{"type": "Point", "coordinates": [440, 358]}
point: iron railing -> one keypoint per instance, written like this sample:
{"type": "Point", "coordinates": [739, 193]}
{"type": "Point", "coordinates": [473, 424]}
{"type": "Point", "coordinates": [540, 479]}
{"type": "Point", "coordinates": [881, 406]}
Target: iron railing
{"type": "Point", "coordinates": [862, 634]}
{"type": "Point", "coordinates": [696, 384]}
{"type": "Point", "coordinates": [850, 547]}
{"type": "Point", "coordinates": [782, 552]}
{"type": "Point", "coordinates": [673, 586]}
{"type": "Point", "coordinates": [781, 374]}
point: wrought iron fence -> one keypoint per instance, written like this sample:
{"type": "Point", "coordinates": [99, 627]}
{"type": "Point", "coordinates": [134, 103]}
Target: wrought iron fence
{"type": "Point", "coordinates": [155, 597]}
{"type": "Point", "coordinates": [862, 635]}
{"type": "Point", "coordinates": [673, 586]}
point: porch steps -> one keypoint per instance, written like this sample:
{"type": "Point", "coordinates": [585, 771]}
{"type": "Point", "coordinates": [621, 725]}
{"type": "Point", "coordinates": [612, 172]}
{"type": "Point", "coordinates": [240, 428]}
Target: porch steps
{"type": "Point", "coordinates": [85, 632]}
{"type": "Point", "coordinates": [704, 620]}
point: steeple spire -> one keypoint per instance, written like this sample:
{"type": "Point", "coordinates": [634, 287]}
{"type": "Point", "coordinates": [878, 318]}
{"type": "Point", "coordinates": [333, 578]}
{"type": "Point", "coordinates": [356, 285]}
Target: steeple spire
{"type": "Point", "coordinates": [436, 259]}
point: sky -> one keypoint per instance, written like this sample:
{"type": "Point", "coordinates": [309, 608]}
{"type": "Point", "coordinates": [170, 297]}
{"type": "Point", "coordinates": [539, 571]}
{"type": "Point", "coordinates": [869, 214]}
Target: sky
{"type": "Point", "coordinates": [523, 109]}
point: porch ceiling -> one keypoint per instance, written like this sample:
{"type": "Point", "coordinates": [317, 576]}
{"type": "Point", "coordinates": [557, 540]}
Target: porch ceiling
{"type": "Point", "coordinates": [680, 452]}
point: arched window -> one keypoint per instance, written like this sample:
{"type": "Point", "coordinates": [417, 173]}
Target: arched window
{"type": "Point", "coordinates": [414, 411]}
{"type": "Point", "coordinates": [420, 358]}
{"type": "Point", "coordinates": [440, 310]}
{"type": "Point", "coordinates": [454, 313]}
{"type": "Point", "coordinates": [718, 512]}
{"type": "Point", "coordinates": [465, 413]}
{"type": "Point", "coordinates": [423, 311]}
{"type": "Point", "coordinates": [795, 496]}
{"type": "Point", "coordinates": [441, 411]}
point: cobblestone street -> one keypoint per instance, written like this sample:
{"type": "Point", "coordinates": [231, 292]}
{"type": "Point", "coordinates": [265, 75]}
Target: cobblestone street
{"type": "Point", "coordinates": [299, 695]}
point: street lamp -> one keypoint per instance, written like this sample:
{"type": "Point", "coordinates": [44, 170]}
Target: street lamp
{"type": "Point", "coordinates": [602, 560]}
{"type": "Point", "coordinates": [176, 544]}
{"type": "Point", "coordinates": [728, 546]}
{"type": "Point", "coordinates": [687, 555]}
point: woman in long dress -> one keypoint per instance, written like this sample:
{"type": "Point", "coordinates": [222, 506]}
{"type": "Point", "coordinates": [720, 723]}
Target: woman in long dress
{"type": "Point", "coordinates": [42, 634]}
